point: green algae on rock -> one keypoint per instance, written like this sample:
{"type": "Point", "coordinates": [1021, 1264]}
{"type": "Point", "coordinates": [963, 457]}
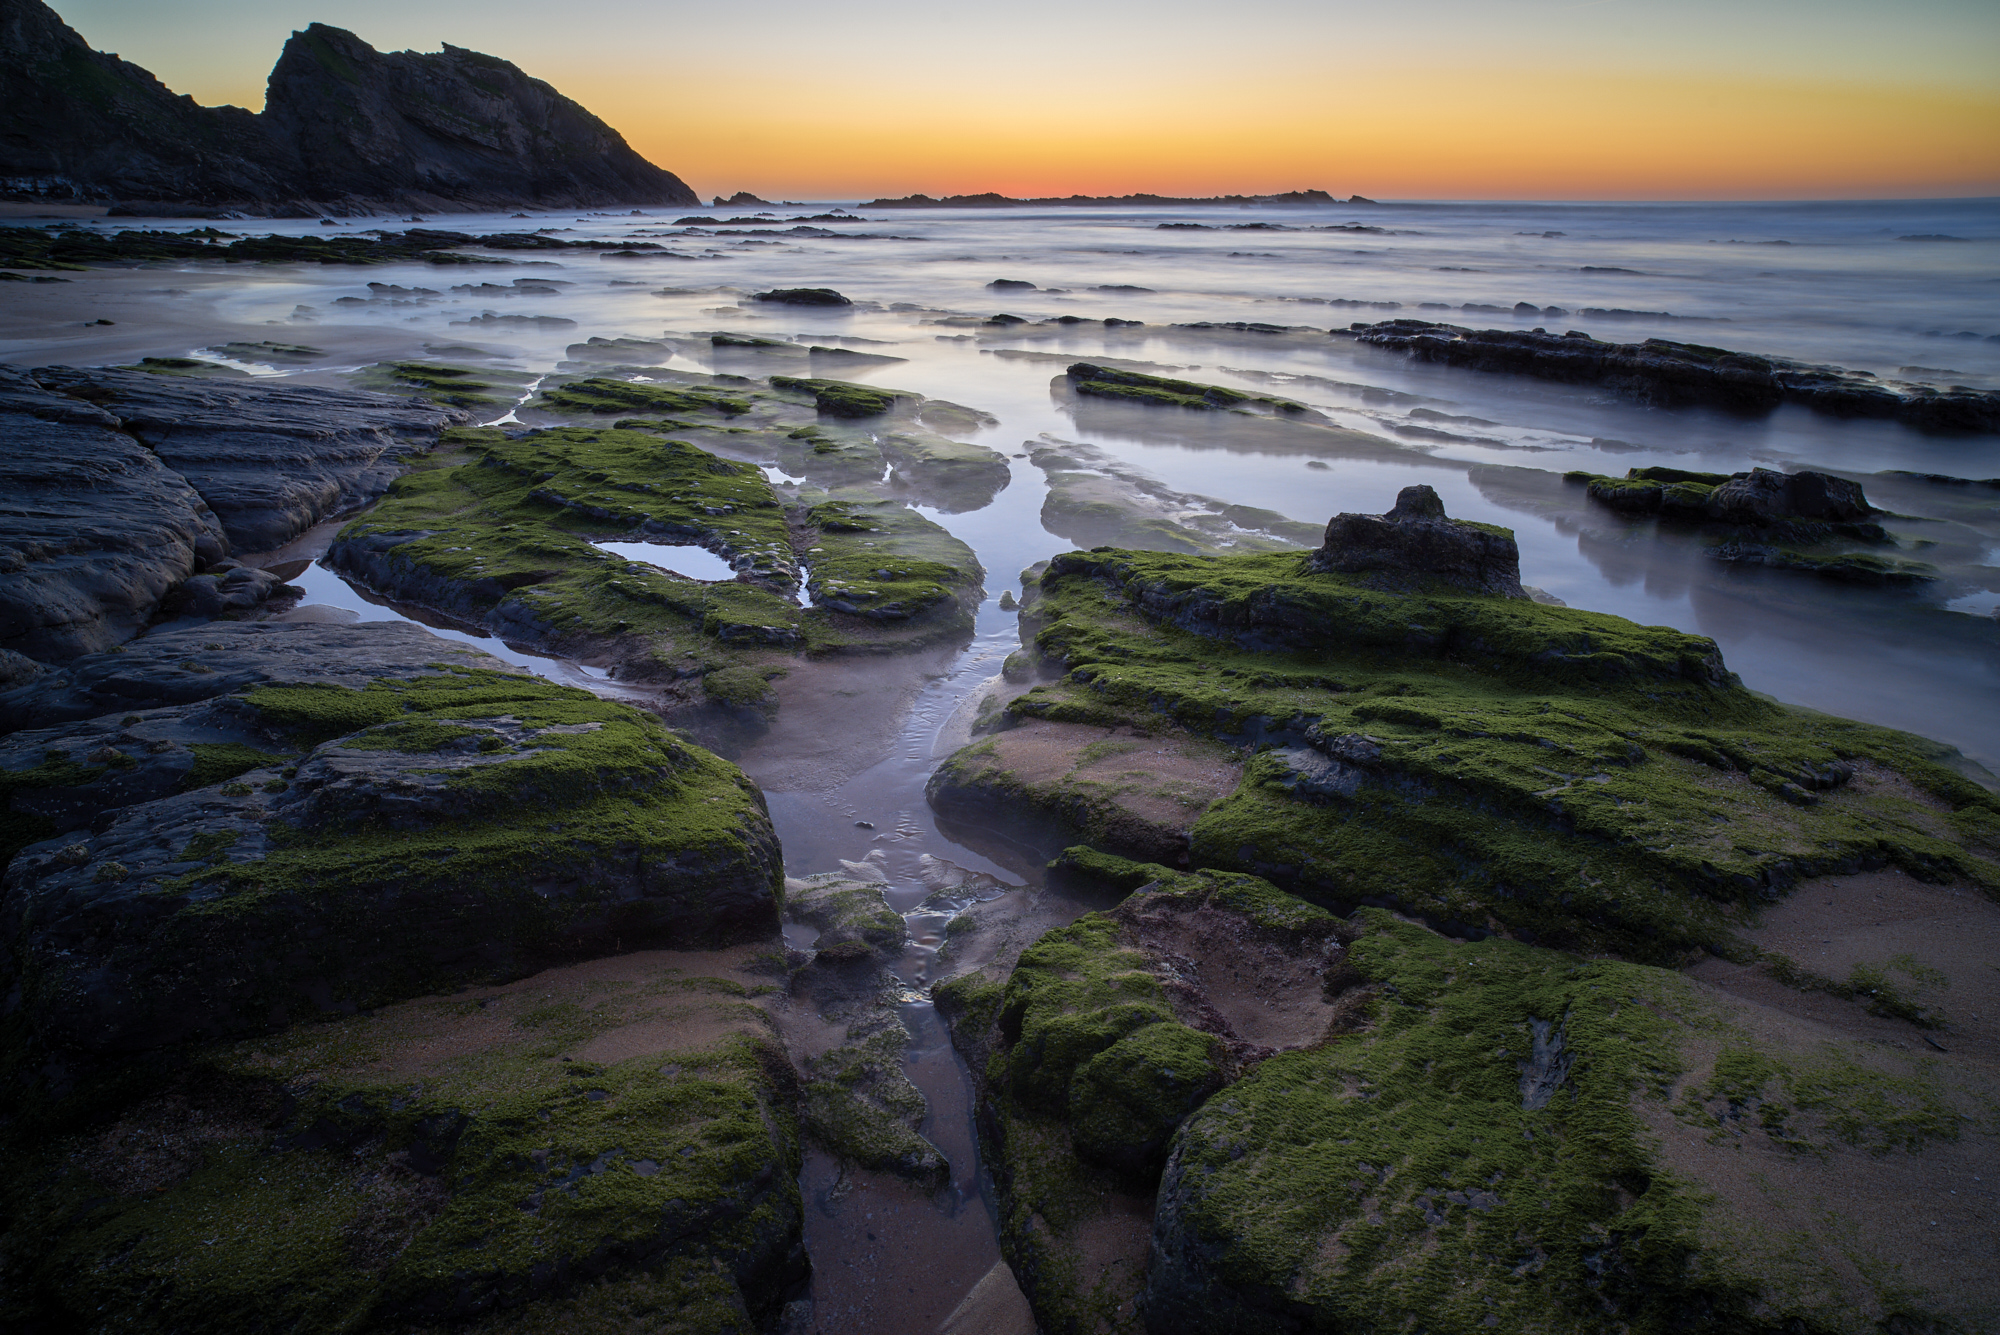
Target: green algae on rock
{"type": "Point", "coordinates": [1105, 1037]}
{"type": "Point", "coordinates": [456, 386]}
{"type": "Point", "coordinates": [858, 1101]}
{"type": "Point", "coordinates": [1107, 382]}
{"type": "Point", "coordinates": [617, 1131]}
{"type": "Point", "coordinates": [1523, 1139]}
{"type": "Point", "coordinates": [504, 535]}
{"type": "Point", "coordinates": [387, 855]}
{"type": "Point", "coordinates": [1485, 762]}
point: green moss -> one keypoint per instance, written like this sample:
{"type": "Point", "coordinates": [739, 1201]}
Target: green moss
{"type": "Point", "coordinates": [840, 398]}
{"type": "Point", "coordinates": [860, 1105]}
{"type": "Point", "coordinates": [330, 1193]}
{"type": "Point", "coordinates": [1485, 762]}
{"type": "Point", "coordinates": [1105, 382]}
{"type": "Point", "coordinates": [458, 386]}
{"type": "Point", "coordinates": [414, 879]}
{"type": "Point", "coordinates": [1482, 1154]}
{"type": "Point", "coordinates": [1128, 1100]}
{"type": "Point", "coordinates": [602, 395]}
{"type": "Point", "coordinates": [218, 762]}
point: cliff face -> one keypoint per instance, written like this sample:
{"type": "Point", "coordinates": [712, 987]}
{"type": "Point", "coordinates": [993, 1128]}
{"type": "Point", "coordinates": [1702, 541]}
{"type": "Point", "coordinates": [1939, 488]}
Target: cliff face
{"type": "Point", "coordinates": [346, 129]}
{"type": "Point", "coordinates": [77, 124]}
{"type": "Point", "coordinates": [457, 127]}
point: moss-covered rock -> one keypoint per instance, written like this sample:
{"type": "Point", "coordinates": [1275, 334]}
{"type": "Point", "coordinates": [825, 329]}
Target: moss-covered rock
{"type": "Point", "coordinates": [1110, 382]}
{"type": "Point", "coordinates": [421, 831]}
{"type": "Point", "coordinates": [1521, 1139]}
{"type": "Point", "coordinates": [504, 535]}
{"type": "Point", "coordinates": [1489, 763]}
{"type": "Point", "coordinates": [1104, 1038]}
{"type": "Point", "coordinates": [842, 398]}
{"type": "Point", "coordinates": [618, 1136]}
{"type": "Point", "coordinates": [458, 386]}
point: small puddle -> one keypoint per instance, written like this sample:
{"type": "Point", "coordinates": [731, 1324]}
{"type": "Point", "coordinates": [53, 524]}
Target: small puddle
{"type": "Point", "coordinates": [681, 558]}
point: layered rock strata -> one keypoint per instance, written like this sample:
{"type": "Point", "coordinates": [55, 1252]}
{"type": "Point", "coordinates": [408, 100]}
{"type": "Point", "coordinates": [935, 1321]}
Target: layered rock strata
{"type": "Point", "coordinates": [120, 485]}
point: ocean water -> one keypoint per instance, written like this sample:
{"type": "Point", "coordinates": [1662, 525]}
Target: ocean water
{"type": "Point", "coordinates": [1903, 290]}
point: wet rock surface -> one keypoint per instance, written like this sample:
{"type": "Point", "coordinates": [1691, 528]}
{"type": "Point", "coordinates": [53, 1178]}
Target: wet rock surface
{"type": "Point", "coordinates": [98, 529]}
{"type": "Point", "coordinates": [271, 460]}
{"type": "Point", "coordinates": [602, 1141]}
{"type": "Point", "coordinates": [1669, 375]}
{"type": "Point", "coordinates": [332, 839]}
{"type": "Point", "coordinates": [1487, 763]}
{"type": "Point", "coordinates": [1417, 539]}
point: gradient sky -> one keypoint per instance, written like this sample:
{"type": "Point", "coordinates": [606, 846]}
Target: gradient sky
{"type": "Point", "coordinates": [1458, 99]}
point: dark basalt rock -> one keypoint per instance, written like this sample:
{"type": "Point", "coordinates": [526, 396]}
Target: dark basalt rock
{"type": "Point", "coordinates": [1670, 375]}
{"type": "Point", "coordinates": [803, 296]}
{"type": "Point", "coordinates": [271, 460]}
{"type": "Point", "coordinates": [1763, 496]}
{"type": "Point", "coordinates": [97, 528]}
{"type": "Point", "coordinates": [1416, 538]}
{"type": "Point", "coordinates": [345, 129]}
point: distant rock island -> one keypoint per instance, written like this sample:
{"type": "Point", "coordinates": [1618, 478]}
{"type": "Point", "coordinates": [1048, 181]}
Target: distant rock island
{"type": "Point", "coordinates": [346, 129]}
{"type": "Point", "coordinates": [990, 200]}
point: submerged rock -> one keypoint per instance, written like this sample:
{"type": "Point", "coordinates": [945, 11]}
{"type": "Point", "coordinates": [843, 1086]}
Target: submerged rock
{"type": "Point", "coordinates": [1416, 539]}
{"type": "Point", "coordinates": [858, 1101]}
{"type": "Point", "coordinates": [1668, 374]}
{"type": "Point", "coordinates": [1803, 521]}
{"type": "Point", "coordinates": [344, 836]}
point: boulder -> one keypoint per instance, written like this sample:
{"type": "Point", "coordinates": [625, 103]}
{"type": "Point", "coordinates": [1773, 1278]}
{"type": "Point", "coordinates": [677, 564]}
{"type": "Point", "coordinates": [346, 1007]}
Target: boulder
{"type": "Point", "coordinates": [1763, 496]}
{"type": "Point", "coordinates": [94, 528]}
{"type": "Point", "coordinates": [1417, 539]}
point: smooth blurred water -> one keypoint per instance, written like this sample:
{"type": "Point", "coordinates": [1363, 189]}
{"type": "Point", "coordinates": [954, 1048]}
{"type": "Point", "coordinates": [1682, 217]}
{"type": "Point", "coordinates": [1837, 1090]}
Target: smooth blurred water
{"type": "Point", "coordinates": [1847, 287]}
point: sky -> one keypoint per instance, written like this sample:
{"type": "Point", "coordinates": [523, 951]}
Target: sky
{"type": "Point", "coordinates": [1437, 99]}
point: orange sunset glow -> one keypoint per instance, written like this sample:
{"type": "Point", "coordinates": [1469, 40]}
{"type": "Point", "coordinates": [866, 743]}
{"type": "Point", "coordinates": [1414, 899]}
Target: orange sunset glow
{"type": "Point", "coordinates": [1687, 99]}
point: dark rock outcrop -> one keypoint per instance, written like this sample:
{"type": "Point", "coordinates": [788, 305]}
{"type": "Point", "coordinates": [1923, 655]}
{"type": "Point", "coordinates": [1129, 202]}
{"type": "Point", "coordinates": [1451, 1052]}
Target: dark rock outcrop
{"type": "Point", "coordinates": [328, 839]}
{"type": "Point", "coordinates": [1763, 496]}
{"type": "Point", "coordinates": [346, 129]}
{"type": "Point", "coordinates": [1416, 538]}
{"type": "Point", "coordinates": [96, 528]}
{"type": "Point", "coordinates": [117, 486]}
{"type": "Point", "coordinates": [1666, 374]}
{"type": "Point", "coordinates": [271, 459]}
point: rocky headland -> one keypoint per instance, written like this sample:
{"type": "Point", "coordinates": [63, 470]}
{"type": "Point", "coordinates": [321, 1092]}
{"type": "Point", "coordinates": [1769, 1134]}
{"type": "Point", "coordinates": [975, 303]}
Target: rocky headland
{"type": "Point", "coordinates": [346, 129]}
